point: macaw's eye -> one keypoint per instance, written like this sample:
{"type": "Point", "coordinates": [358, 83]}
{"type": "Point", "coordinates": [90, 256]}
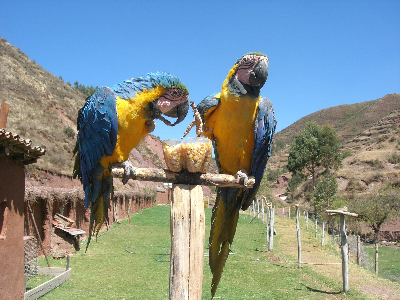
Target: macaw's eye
{"type": "Point", "coordinates": [174, 94]}
{"type": "Point", "coordinates": [247, 62]}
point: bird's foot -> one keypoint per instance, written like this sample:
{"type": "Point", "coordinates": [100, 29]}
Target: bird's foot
{"type": "Point", "coordinates": [243, 177]}
{"type": "Point", "coordinates": [129, 170]}
{"type": "Point", "coordinates": [198, 122]}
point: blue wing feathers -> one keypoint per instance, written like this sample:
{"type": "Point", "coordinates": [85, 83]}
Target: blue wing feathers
{"type": "Point", "coordinates": [98, 128]}
{"type": "Point", "coordinates": [209, 103]}
{"type": "Point", "coordinates": [264, 130]}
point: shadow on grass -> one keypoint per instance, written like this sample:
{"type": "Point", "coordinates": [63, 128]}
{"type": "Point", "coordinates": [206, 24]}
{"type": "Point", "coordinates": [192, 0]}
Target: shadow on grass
{"type": "Point", "coordinates": [320, 291]}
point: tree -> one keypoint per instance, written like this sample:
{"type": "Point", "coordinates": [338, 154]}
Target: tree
{"type": "Point", "coordinates": [324, 195]}
{"type": "Point", "coordinates": [316, 150]}
{"type": "Point", "coordinates": [293, 183]}
{"type": "Point", "coordinates": [377, 207]}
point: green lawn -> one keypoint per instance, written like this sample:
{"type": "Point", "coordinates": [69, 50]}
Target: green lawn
{"type": "Point", "coordinates": [108, 271]}
{"type": "Point", "coordinates": [389, 261]}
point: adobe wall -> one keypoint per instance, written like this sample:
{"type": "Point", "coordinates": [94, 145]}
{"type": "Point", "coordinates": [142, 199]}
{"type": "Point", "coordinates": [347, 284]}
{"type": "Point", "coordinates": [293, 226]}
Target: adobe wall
{"type": "Point", "coordinates": [59, 243]}
{"type": "Point", "coordinates": [12, 188]}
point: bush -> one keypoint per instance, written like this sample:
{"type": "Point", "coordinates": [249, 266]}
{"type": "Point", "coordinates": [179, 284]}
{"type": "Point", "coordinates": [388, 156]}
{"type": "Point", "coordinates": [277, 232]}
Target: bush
{"type": "Point", "coordinates": [354, 186]}
{"type": "Point", "coordinates": [346, 153]}
{"type": "Point", "coordinates": [69, 132]}
{"type": "Point", "coordinates": [273, 175]}
{"type": "Point", "coordinates": [376, 164]}
{"type": "Point", "coordinates": [394, 158]}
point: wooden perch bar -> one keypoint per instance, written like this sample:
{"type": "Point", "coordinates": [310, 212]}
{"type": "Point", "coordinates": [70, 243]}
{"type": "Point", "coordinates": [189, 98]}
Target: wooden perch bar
{"type": "Point", "coordinates": [340, 212]}
{"type": "Point", "coordinates": [162, 175]}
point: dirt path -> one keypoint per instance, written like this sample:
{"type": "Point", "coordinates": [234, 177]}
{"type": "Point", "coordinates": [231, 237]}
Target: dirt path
{"type": "Point", "coordinates": [328, 264]}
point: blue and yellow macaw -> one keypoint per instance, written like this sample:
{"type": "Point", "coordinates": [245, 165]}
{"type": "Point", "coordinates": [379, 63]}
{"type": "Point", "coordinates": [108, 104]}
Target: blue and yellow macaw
{"type": "Point", "coordinates": [111, 123]}
{"type": "Point", "coordinates": [241, 125]}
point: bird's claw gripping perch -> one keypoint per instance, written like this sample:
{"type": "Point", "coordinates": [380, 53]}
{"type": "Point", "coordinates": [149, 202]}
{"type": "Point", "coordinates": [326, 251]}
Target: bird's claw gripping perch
{"type": "Point", "coordinates": [129, 170]}
{"type": "Point", "coordinates": [198, 122]}
{"type": "Point", "coordinates": [243, 177]}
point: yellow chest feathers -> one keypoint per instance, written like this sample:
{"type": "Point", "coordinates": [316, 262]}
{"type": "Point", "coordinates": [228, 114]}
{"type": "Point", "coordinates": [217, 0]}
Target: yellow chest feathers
{"type": "Point", "coordinates": [131, 124]}
{"type": "Point", "coordinates": [233, 129]}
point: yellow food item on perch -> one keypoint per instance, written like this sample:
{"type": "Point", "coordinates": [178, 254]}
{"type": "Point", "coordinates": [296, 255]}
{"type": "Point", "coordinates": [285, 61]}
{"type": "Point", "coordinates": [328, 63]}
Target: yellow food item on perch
{"type": "Point", "coordinates": [192, 154]}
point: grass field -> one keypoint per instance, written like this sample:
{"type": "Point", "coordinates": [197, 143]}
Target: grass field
{"type": "Point", "coordinates": [128, 262]}
{"type": "Point", "coordinates": [389, 261]}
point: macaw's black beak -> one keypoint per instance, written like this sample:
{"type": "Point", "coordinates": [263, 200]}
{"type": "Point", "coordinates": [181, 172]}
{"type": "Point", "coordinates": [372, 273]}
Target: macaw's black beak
{"type": "Point", "coordinates": [259, 74]}
{"type": "Point", "coordinates": [257, 78]}
{"type": "Point", "coordinates": [179, 111]}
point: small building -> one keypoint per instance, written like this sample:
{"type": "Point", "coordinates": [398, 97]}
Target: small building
{"type": "Point", "coordinates": [15, 152]}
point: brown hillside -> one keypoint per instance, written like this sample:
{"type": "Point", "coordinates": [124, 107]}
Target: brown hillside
{"type": "Point", "coordinates": [375, 157]}
{"type": "Point", "coordinates": [348, 120]}
{"type": "Point", "coordinates": [42, 107]}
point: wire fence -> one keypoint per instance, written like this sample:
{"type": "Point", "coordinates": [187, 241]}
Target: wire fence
{"type": "Point", "coordinates": [385, 262]}
{"type": "Point", "coordinates": [30, 256]}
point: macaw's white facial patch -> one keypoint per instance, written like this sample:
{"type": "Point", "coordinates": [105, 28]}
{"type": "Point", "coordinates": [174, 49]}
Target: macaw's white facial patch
{"type": "Point", "coordinates": [246, 65]}
{"type": "Point", "coordinates": [170, 99]}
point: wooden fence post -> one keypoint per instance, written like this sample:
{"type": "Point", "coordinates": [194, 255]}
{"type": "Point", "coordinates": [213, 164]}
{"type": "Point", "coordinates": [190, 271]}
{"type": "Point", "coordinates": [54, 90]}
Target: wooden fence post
{"type": "Point", "coordinates": [271, 230]}
{"type": "Point", "coordinates": [323, 234]}
{"type": "Point", "coordinates": [268, 222]}
{"type": "Point", "coordinates": [298, 237]}
{"type": "Point", "coordinates": [262, 210]}
{"type": "Point", "coordinates": [307, 220]}
{"type": "Point", "coordinates": [376, 258]}
{"type": "Point", "coordinates": [316, 227]}
{"type": "Point", "coordinates": [358, 250]}
{"type": "Point", "coordinates": [187, 242]}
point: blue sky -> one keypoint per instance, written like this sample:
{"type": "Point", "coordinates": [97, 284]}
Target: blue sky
{"type": "Point", "coordinates": [321, 53]}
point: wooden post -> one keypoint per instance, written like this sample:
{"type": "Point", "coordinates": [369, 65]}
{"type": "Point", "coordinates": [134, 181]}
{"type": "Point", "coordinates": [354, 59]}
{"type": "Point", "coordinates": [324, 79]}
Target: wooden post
{"type": "Point", "coordinates": [376, 258]}
{"type": "Point", "coordinates": [268, 222]}
{"type": "Point", "coordinates": [343, 244]}
{"type": "Point", "coordinates": [262, 209]}
{"type": "Point", "coordinates": [258, 208]}
{"type": "Point", "coordinates": [4, 114]}
{"type": "Point", "coordinates": [271, 230]}
{"type": "Point", "coordinates": [358, 250]}
{"type": "Point", "coordinates": [316, 227]}
{"type": "Point", "coordinates": [129, 209]}
{"type": "Point", "coordinates": [289, 213]}
{"type": "Point", "coordinates": [298, 237]}
{"type": "Point", "coordinates": [187, 242]}
{"type": "Point", "coordinates": [307, 220]}
{"type": "Point", "coordinates": [283, 211]}
{"type": "Point", "coordinates": [323, 234]}
{"type": "Point", "coordinates": [345, 257]}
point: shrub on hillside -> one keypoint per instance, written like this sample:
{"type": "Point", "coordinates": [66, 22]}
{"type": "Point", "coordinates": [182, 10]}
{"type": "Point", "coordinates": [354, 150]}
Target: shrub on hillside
{"type": "Point", "coordinates": [69, 132]}
{"type": "Point", "coordinates": [394, 158]}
